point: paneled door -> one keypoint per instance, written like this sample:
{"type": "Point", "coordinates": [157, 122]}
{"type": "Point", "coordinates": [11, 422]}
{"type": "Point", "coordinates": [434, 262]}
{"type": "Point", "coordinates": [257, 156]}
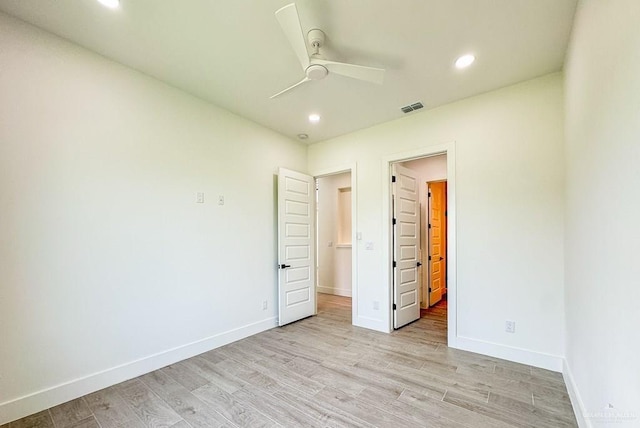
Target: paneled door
{"type": "Point", "coordinates": [406, 243]}
{"type": "Point", "coordinates": [437, 233]}
{"type": "Point", "coordinates": [296, 247]}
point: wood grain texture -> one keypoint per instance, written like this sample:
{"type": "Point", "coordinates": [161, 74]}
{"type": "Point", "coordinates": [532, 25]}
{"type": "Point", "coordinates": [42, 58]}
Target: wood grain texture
{"type": "Point", "coordinates": [70, 413]}
{"type": "Point", "coordinates": [324, 372]}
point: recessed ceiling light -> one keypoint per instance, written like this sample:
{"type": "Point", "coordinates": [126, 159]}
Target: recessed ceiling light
{"type": "Point", "coordinates": [112, 4]}
{"type": "Point", "coordinates": [314, 118]}
{"type": "Point", "coordinates": [465, 61]}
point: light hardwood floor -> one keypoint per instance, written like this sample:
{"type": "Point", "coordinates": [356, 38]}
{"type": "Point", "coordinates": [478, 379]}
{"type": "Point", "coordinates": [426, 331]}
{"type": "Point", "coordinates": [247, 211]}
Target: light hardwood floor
{"type": "Point", "coordinates": [323, 372]}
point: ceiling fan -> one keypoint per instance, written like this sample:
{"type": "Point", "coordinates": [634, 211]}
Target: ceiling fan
{"type": "Point", "coordinates": [314, 66]}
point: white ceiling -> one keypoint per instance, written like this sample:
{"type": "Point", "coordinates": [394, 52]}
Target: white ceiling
{"type": "Point", "coordinates": [233, 52]}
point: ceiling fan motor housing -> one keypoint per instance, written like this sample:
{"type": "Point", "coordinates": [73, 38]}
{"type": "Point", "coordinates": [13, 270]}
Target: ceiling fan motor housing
{"type": "Point", "coordinates": [315, 38]}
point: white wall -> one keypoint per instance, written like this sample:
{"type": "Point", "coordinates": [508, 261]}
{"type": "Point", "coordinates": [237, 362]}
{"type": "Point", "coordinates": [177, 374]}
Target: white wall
{"type": "Point", "coordinates": [334, 261]}
{"type": "Point", "coordinates": [431, 168]}
{"type": "Point", "coordinates": [106, 261]}
{"type": "Point", "coordinates": [509, 178]}
{"type": "Point", "coordinates": [603, 213]}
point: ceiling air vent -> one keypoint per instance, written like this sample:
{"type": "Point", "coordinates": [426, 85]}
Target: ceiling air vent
{"type": "Point", "coordinates": [412, 107]}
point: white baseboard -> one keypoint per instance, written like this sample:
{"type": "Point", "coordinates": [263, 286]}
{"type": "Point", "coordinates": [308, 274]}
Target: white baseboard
{"type": "Point", "coordinates": [371, 324]}
{"type": "Point", "coordinates": [518, 355]}
{"type": "Point", "coordinates": [49, 397]}
{"type": "Point", "coordinates": [574, 394]}
{"type": "Point", "coordinates": [345, 292]}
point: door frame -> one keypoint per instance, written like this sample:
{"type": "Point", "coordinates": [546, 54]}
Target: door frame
{"type": "Point", "coordinates": [350, 168]}
{"type": "Point", "coordinates": [447, 149]}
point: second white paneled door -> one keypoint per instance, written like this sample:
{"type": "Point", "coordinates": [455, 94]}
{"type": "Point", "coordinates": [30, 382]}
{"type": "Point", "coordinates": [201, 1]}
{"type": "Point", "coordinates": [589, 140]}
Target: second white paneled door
{"type": "Point", "coordinates": [406, 245]}
{"type": "Point", "coordinates": [296, 246]}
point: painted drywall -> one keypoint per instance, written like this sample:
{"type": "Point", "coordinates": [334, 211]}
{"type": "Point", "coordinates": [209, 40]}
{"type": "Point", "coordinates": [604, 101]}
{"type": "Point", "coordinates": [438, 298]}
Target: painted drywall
{"type": "Point", "coordinates": [431, 168]}
{"type": "Point", "coordinates": [334, 260]}
{"type": "Point", "coordinates": [108, 266]}
{"type": "Point", "coordinates": [602, 212]}
{"type": "Point", "coordinates": [509, 207]}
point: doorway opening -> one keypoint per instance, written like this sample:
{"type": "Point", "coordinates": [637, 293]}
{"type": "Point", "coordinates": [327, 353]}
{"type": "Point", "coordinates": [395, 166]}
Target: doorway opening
{"type": "Point", "coordinates": [334, 233]}
{"type": "Point", "coordinates": [432, 189]}
{"type": "Point", "coordinates": [297, 237]}
{"type": "Point", "coordinates": [421, 246]}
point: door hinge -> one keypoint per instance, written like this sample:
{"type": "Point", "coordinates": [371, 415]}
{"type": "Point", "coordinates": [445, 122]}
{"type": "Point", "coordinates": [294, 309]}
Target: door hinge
{"type": "Point", "coordinates": [394, 306]}
{"type": "Point", "coordinates": [429, 225]}
{"type": "Point", "coordinates": [394, 221]}
{"type": "Point", "coordinates": [393, 178]}
{"type": "Point", "coordinates": [446, 213]}
{"type": "Point", "coordinates": [429, 258]}
{"type": "Point", "coordinates": [394, 263]}
{"type": "Point", "coordinates": [429, 194]}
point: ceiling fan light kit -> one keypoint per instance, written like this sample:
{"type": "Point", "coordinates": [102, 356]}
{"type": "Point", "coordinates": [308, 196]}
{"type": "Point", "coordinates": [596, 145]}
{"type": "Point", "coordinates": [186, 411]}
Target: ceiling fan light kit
{"type": "Point", "coordinates": [111, 4]}
{"type": "Point", "coordinates": [314, 66]}
{"type": "Point", "coordinates": [316, 72]}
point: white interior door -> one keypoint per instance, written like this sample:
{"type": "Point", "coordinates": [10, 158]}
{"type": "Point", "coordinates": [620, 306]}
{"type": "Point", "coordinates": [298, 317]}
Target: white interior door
{"type": "Point", "coordinates": [296, 246]}
{"type": "Point", "coordinates": [406, 245]}
{"type": "Point", "coordinates": [437, 241]}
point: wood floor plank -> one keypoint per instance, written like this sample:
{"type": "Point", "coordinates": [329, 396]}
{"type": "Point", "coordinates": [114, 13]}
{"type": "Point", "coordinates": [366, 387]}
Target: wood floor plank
{"type": "Point", "coordinates": [149, 408]}
{"type": "Point", "coordinates": [111, 411]}
{"type": "Point", "coordinates": [324, 412]}
{"type": "Point", "coordinates": [371, 413]}
{"type": "Point", "coordinates": [487, 410]}
{"type": "Point", "coordinates": [37, 420]}
{"type": "Point", "coordinates": [275, 409]}
{"type": "Point", "coordinates": [325, 376]}
{"type": "Point", "coordinates": [181, 424]}
{"type": "Point", "coordinates": [214, 374]}
{"type": "Point", "coordinates": [529, 412]}
{"type": "Point", "coordinates": [185, 375]}
{"type": "Point", "coordinates": [417, 416]}
{"type": "Point", "coordinates": [70, 413]}
{"type": "Point", "coordinates": [240, 413]}
{"type": "Point", "coordinates": [183, 402]}
{"type": "Point", "coordinates": [90, 422]}
{"type": "Point", "coordinates": [290, 378]}
{"type": "Point", "coordinates": [451, 412]}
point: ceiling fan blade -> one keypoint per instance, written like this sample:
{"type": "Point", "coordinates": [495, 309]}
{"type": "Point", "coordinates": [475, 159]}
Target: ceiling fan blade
{"type": "Point", "coordinates": [360, 72]}
{"type": "Point", "coordinates": [290, 22]}
{"type": "Point", "coordinates": [306, 79]}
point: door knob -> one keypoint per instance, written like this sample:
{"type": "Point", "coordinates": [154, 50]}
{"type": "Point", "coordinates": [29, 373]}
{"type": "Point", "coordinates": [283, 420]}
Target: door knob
{"type": "Point", "coordinates": [284, 266]}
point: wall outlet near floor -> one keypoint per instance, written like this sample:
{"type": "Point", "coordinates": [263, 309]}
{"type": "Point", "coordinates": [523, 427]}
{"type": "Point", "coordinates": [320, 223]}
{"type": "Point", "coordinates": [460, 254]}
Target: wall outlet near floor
{"type": "Point", "coordinates": [220, 199]}
{"type": "Point", "coordinates": [510, 326]}
{"type": "Point", "coordinates": [200, 198]}
{"type": "Point", "coordinates": [265, 305]}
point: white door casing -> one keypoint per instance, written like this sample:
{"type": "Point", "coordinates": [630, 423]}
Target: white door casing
{"type": "Point", "coordinates": [296, 246]}
{"type": "Point", "coordinates": [406, 245]}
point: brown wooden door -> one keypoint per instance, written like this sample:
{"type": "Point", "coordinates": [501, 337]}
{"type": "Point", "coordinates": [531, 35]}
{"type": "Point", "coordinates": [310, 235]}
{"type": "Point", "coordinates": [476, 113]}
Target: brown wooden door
{"type": "Point", "coordinates": [437, 233]}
